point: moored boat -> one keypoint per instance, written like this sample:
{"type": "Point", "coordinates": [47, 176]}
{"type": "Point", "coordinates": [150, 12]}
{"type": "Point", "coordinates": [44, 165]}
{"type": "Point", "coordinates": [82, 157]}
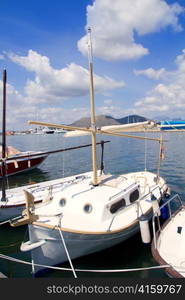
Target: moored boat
{"type": "Point", "coordinates": [92, 211]}
{"type": "Point", "coordinates": [85, 219]}
{"type": "Point", "coordinates": [47, 130]}
{"type": "Point", "coordinates": [18, 162]}
{"type": "Point", "coordinates": [168, 245]}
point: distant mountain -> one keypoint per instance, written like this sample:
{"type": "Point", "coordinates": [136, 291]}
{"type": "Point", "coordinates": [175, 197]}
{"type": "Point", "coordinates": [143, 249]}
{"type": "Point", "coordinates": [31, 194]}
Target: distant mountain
{"type": "Point", "coordinates": [100, 121]}
{"type": "Point", "coordinates": [132, 119]}
{"type": "Point", "coordinates": [104, 120]}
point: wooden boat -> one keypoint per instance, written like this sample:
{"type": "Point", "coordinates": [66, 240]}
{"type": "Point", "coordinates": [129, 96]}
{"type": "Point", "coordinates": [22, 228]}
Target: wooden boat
{"type": "Point", "coordinates": [18, 162]}
{"type": "Point", "coordinates": [88, 218]}
{"type": "Point", "coordinates": [89, 212]}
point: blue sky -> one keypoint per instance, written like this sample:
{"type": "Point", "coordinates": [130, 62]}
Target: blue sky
{"type": "Point", "coordinates": [139, 58]}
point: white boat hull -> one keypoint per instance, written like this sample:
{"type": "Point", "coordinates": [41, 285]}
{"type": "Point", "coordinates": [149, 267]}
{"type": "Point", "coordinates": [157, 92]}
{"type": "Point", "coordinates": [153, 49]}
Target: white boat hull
{"type": "Point", "coordinates": [170, 245]}
{"type": "Point", "coordinates": [90, 218]}
{"type": "Point", "coordinates": [52, 252]}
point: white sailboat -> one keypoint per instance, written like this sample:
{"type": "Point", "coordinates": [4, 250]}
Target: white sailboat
{"type": "Point", "coordinates": [92, 211]}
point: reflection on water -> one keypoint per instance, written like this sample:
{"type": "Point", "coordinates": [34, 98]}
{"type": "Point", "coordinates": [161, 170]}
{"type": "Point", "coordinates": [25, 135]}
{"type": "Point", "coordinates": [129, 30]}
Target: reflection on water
{"type": "Point", "coordinates": [120, 155]}
{"type": "Point", "coordinates": [29, 177]}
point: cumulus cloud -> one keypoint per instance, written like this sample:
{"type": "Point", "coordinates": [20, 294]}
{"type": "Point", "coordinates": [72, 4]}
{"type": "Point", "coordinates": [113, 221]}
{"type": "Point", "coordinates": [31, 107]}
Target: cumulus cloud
{"type": "Point", "coordinates": [169, 95]}
{"type": "Point", "coordinates": [108, 110]}
{"type": "Point", "coordinates": [15, 102]}
{"type": "Point", "coordinates": [114, 24]}
{"type": "Point", "coordinates": [108, 101]}
{"type": "Point", "coordinates": [49, 88]}
{"type": "Point", "coordinates": [20, 110]}
{"type": "Point", "coordinates": [152, 74]}
{"type": "Point", "coordinates": [60, 115]}
{"type": "Point", "coordinates": [55, 85]}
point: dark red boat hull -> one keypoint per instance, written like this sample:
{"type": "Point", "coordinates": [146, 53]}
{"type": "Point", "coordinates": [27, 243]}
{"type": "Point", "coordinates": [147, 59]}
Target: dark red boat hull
{"type": "Point", "coordinates": [22, 165]}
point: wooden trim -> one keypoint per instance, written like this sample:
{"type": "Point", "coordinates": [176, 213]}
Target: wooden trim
{"type": "Point", "coordinates": [40, 224]}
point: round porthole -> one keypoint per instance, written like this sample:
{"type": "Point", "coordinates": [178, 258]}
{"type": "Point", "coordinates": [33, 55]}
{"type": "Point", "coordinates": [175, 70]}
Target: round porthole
{"type": "Point", "coordinates": [88, 208]}
{"type": "Point", "coordinates": [62, 202]}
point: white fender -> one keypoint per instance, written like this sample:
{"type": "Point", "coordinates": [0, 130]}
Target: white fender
{"type": "Point", "coordinates": [28, 246]}
{"type": "Point", "coordinates": [144, 229]}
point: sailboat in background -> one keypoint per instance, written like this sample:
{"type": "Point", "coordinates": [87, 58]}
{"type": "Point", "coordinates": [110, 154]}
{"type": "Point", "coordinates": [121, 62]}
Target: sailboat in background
{"type": "Point", "coordinates": [92, 211]}
{"type": "Point", "coordinates": [20, 161]}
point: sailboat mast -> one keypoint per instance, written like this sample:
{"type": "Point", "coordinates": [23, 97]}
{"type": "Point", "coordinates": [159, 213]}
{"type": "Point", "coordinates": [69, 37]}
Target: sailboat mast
{"type": "Point", "coordinates": [4, 138]}
{"type": "Point", "coordinates": [92, 107]}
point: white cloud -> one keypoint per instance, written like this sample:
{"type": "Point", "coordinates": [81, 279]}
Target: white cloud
{"type": "Point", "coordinates": [108, 110]}
{"type": "Point", "coordinates": [19, 110]}
{"type": "Point", "coordinates": [151, 73]}
{"type": "Point", "coordinates": [14, 104]}
{"type": "Point", "coordinates": [1, 56]}
{"type": "Point", "coordinates": [48, 89]}
{"type": "Point", "coordinates": [60, 115]}
{"type": "Point", "coordinates": [108, 101]}
{"type": "Point", "coordinates": [167, 96]}
{"type": "Point", "coordinates": [114, 24]}
{"type": "Point", "coordinates": [52, 85]}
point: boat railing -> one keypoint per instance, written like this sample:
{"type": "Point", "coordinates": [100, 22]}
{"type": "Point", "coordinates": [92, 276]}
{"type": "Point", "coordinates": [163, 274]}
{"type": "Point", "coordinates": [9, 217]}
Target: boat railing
{"type": "Point", "coordinates": [156, 215]}
{"type": "Point", "coordinates": [137, 203]}
{"type": "Point", "coordinates": [151, 192]}
{"type": "Point", "coordinates": [122, 192]}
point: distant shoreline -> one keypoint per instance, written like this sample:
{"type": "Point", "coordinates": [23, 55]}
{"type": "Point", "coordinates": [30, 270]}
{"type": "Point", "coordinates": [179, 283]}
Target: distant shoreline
{"type": "Point", "coordinates": [124, 131]}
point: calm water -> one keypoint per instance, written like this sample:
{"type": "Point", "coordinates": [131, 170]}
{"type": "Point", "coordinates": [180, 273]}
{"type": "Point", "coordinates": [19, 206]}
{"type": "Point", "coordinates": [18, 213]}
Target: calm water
{"type": "Point", "coordinates": [121, 155]}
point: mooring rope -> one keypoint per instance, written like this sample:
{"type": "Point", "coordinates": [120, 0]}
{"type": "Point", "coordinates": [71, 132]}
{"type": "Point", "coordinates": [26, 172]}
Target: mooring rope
{"type": "Point", "coordinates": [10, 220]}
{"type": "Point", "coordinates": [4, 222]}
{"type": "Point", "coordinates": [85, 270]}
{"type": "Point", "coordinates": [67, 253]}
